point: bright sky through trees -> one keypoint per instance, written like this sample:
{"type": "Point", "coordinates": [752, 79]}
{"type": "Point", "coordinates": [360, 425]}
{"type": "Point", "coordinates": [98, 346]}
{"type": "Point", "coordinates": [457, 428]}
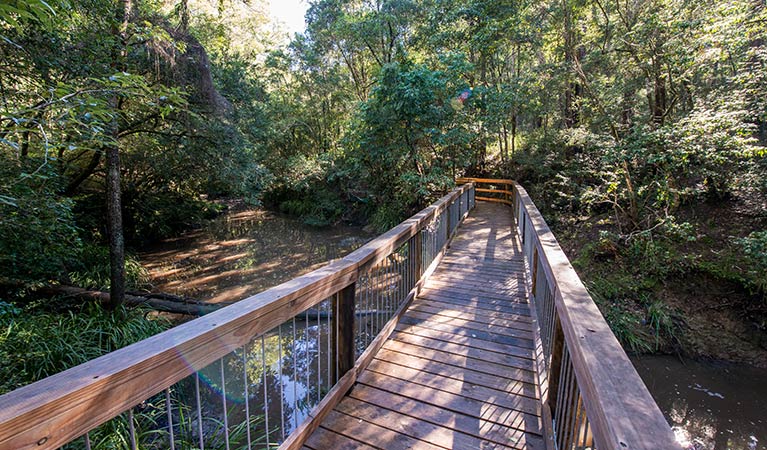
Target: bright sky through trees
{"type": "Point", "coordinates": [290, 13]}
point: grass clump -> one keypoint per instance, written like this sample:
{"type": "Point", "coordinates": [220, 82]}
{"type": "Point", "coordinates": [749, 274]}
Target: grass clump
{"type": "Point", "coordinates": [36, 343]}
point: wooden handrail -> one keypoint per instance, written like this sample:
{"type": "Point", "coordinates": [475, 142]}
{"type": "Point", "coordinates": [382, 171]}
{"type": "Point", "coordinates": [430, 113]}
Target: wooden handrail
{"type": "Point", "coordinates": [62, 407]}
{"type": "Point", "coordinates": [621, 412]}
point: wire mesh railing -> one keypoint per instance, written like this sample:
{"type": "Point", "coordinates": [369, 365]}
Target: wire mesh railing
{"type": "Point", "coordinates": [249, 376]}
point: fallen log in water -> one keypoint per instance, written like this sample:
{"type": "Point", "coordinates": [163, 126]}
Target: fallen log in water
{"type": "Point", "coordinates": [159, 301]}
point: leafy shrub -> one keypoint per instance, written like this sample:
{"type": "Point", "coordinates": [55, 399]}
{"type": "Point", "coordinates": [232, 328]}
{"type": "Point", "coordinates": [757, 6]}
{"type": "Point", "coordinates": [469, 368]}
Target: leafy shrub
{"type": "Point", "coordinates": [39, 235]}
{"type": "Point", "coordinates": [754, 248]}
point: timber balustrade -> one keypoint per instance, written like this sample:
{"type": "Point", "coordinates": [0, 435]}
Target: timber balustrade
{"type": "Point", "coordinates": [592, 396]}
{"type": "Point", "coordinates": [255, 374]}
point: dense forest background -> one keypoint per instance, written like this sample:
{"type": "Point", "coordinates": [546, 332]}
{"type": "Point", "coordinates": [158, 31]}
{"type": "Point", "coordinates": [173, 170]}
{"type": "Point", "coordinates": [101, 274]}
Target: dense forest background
{"type": "Point", "coordinates": [638, 126]}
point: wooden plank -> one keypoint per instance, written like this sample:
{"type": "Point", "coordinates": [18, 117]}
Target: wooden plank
{"type": "Point", "coordinates": [474, 391]}
{"type": "Point", "coordinates": [476, 334]}
{"type": "Point", "coordinates": [495, 200]}
{"type": "Point", "coordinates": [461, 340]}
{"type": "Point", "coordinates": [444, 293]}
{"type": "Point", "coordinates": [477, 315]}
{"type": "Point", "coordinates": [438, 309]}
{"type": "Point", "coordinates": [518, 308]}
{"type": "Point", "coordinates": [499, 330]}
{"type": "Point", "coordinates": [488, 367]}
{"type": "Point", "coordinates": [476, 289]}
{"type": "Point", "coordinates": [480, 428]}
{"type": "Point", "coordinates": [505, 383]}
{"type": "Point", "coordinates": [324, 439]}
{"type": "Point", "coordinates": [506, 265]}
{"type": "Point", "coordinates": [495, 191]}
{"type": "Point", "coordinates": [505, 275]}
{"type": "Point", "coordinates": [511, 267]}
{"type": "Point", "coordinates": [413, 427]}
{"type": "Point", "coordinates": [457, 403]}
{"type": "Point", "coordinates": [372, 434]}
{"type": "Point", "coordinates": [484, 180]}
{"type": "Point", "coordinates": [494, 282]}
{"type": "Point", "coordinates": [469, 286]}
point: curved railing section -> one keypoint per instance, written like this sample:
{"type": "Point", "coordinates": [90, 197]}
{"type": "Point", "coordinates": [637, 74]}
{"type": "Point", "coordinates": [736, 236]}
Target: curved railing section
{"type": "Point", "coordinates": [257, 374]}
{"type": "Point", "coordinates": [593, 397]}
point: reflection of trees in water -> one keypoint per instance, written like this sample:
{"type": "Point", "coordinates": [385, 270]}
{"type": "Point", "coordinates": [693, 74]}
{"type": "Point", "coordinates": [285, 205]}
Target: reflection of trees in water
{"type": "Point", "coordinates": [261, 391]}
{"type": "Point", "coordinates": [703, 429]}
{"type": "Point", "coordinates": [241, 254]}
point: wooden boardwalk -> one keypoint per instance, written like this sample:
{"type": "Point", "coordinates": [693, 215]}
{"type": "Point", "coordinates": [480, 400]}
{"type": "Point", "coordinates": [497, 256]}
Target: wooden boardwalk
{"type": "Point", "coordinates": [459, 371]}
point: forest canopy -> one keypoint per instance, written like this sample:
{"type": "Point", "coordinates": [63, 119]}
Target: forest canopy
{"type": "Point", "coordinates": [628, 113]}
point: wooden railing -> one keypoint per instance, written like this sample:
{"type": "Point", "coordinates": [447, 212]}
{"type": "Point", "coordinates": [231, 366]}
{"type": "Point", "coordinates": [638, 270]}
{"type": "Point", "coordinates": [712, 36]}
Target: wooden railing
{"type": "Point", "coordinates": [493, 190]}
{"type": "Point", "coordinates": [212, 382]}
{"type": "Point", "coordinates": [593, 397]}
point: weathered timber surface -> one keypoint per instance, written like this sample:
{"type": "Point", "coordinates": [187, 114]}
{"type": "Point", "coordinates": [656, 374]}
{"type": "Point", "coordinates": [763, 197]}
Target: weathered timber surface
{"type": "Point", "coordinates": [459, 369]}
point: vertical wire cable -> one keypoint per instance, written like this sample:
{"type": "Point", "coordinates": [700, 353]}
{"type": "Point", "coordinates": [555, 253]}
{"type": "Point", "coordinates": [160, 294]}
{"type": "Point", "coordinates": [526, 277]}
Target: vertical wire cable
{"type": "Point", "coordinates": [308, 362]}
{"type": "Point", "coordinates": [131, 429]}
{"type": "Point", "coordinates": [171, 435]}
{"type": "Point", "coordinates": [377, 294]}
{"type": "Point", "coordinates": [319, 353]}
{"type": "Point", "coordinates": [338, 336]}
{"type": "Point", "coordinates": [245, 382]}
{"type": "Point", "coordinates": [282, 385]}
{"type": "Point", "coordinates": [199, 409]}
{"type": "Point", "coordinates": [567, 400]}
{"type": "Point", "coordinates": [328, 379]}
{"type": "Point", "coordinates": [266, 394]}
{"type": "Point", "coordinates": [295, 377]}
{"type": "Point", "coordinates": [223, 398]}
{"type": "Point", "coordinates": [87, 438]}
{"type": "Point", "coordinates": [357, 324]}
{"type": "Point", "coordinates": [559, 415]}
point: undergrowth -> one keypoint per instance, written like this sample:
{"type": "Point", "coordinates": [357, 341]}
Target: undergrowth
{"type": "Point", "coordinates": [36, 343]}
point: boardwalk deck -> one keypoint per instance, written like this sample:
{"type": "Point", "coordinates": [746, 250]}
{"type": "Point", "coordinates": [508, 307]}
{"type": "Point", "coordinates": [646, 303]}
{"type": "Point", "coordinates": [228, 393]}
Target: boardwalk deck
{"type": "Point", "coordinates": [459, 370]}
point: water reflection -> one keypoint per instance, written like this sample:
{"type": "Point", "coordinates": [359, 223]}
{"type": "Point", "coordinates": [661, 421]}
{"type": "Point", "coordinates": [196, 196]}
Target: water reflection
{"type": "Point", "coordinates": [710, 406]}
{"type": "Point", "coordinates": [243, 253]}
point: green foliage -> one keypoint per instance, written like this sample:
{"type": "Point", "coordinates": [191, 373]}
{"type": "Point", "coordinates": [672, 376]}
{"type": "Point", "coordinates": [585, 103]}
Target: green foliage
{"type": "Point", "coordinates": [92, 270]}
{"type": "Point", "coordinates": [754, 248]}
{"type": "Point", "coordinates": [39, 235]}
{"type": "Point", "coordinates": [35, 344]}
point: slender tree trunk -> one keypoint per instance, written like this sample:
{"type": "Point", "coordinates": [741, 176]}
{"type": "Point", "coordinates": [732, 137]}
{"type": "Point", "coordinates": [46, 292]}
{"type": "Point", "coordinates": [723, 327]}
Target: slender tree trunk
{"type": "Point", "coordinates": [659, 94]}
{"type": "Point", "coordinates": [114, 192]}
{"type": "Point", "coordinates": [115, 226]}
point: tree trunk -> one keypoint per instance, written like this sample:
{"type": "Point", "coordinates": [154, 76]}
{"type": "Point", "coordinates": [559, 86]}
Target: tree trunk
{"type": "Point", "coordinates": [659, 94]}
{"type": "Point", "coordinates": [115, 227]}
{"type": "Point", "coordinates": [113, 190]}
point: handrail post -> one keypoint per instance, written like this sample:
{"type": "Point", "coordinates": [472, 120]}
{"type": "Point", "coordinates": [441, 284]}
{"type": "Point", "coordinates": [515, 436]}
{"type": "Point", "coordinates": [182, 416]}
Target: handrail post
{"type": "Point", "coordinates": [343, 332]}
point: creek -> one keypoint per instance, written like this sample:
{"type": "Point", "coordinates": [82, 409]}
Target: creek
{"type": "Point", "coordinates": [244, 252]}
{"type": "Point", "coordinates": [711, 406]}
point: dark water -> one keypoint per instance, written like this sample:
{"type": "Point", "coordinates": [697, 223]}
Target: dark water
{"type": "Point", "coordinates": [243, 253]}
{"type": "Point", "coordinates": [711, 406]}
